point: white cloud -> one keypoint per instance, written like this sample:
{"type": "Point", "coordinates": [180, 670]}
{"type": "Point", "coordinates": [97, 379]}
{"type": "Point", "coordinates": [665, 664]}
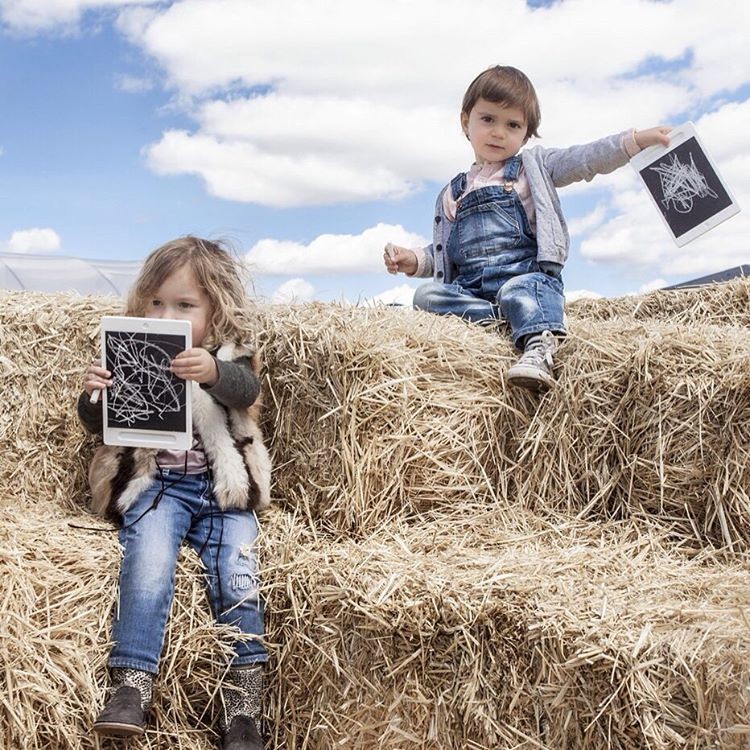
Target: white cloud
{"type": "Point", "coordinates": [399, 295]}
{"type": "Point", "coordinates": [330, 253]}
{"type": "Point", "coordinates": [651, 286]}
{"type": "Point", "coordinates": [376, 115]}
{"type": "Point", "coordinates": [33, 241]}
{"type": "Point", "coordinates": [2, 151]}
{"type": "Point", "coordinates": [134, 84]}
{"type": "Point", "coordinates": [294, 290]}
{"type": "Point", "coordinates": [30, 16]}
{"type": "Point", "coordinates": [290, 150]}
{"type": "Point", "coordinates": [241, 171]}
{"type": "Point", "coordinates": [585, 223]}
{"type": "Point", "coordinates": [290, 108]}
{"type": "Point", "coordinates": [577, 294]}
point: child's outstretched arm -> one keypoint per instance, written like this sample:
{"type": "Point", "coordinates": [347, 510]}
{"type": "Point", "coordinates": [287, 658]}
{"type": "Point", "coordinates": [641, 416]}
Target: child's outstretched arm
{"type": "Point", "coordinates": [584, 162]}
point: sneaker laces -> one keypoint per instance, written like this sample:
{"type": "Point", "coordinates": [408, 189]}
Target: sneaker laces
{"type": "Point", "coordinates": [538, 352]}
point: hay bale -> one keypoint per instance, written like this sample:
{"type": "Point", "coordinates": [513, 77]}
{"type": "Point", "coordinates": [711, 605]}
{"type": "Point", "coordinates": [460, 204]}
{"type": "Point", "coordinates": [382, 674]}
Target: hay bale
{"type": "Point", "coordinates": [466, 630]}
{"type": "Point", "coordinates": [375, 410]}
{"type": "Point", "coordinates": [726, 303]}
{"type": "Point", "coordinates": [46, 341]}
{"type": "Point", "coordinates": [377, 413]}
{"type": "Point", "coordinates": [452, 563]}
{"type": "Point", "coordinates": [594, 637]}
{"type": "Point", "coordinates": [652, 420]}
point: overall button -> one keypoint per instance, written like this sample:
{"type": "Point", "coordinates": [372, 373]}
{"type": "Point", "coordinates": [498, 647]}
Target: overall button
{"type": "Point", "coordinates": [437, 219]}
{"type": "Point", "coordinates": [438, 247]}
{"type": "Point", "coordinates": [440, 274]}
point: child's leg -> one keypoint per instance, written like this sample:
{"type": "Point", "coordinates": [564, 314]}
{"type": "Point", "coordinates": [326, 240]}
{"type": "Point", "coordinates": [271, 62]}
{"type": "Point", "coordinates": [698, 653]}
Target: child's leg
{"type": "Point", "coordinates": [150, 546]}
{"type": "Point", "coordinates": [451, 299]}
{"type": "Point", "coordinates": [226, 544]}
{"type": "Point", "coordinates": [532, 303]}
{"type": "Point", "coordinates": [150, 539]}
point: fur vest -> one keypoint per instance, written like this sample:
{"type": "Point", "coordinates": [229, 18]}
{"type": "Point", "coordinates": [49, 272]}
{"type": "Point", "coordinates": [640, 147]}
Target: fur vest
{"type": "Point", "coordinates": [237, 458]}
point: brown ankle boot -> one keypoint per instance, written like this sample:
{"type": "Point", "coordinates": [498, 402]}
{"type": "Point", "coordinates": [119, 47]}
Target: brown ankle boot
{"type": "Point", "coordinates": [125, 713]}
{"type": "Point", "coordinates": [240, 719]}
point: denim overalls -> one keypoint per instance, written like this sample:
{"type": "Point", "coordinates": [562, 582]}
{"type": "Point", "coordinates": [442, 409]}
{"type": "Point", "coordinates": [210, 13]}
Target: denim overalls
{"type": "Point", "coordinates": [495, 256]}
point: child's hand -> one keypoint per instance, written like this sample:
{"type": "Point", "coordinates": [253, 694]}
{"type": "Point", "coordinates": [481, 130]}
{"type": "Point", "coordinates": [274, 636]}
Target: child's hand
{"type": "Point", "coordinates": [399, 259]}
{"type": "Point", "coordinates": [96, 378]}
{"type": "Point", "coordinates": [653, 136]}
{"type": "Point", "coordinates": [196, 364]}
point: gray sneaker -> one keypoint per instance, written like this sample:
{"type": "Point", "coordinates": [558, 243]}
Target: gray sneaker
{"type": "Point", "coordinates": [534, 368]}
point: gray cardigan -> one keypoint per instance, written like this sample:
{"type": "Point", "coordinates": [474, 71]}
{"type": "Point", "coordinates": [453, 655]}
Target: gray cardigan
{"type": "Point", "coordinates": [546, 169]}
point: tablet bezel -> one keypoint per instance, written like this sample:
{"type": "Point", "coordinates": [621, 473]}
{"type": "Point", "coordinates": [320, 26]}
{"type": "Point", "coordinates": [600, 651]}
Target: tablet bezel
{"type": "Point", "coordinates": [648, 156]}
{"type": "Point", "coordinates": [158, 439]}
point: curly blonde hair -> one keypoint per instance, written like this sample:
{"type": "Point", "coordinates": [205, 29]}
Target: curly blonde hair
{"type": "Point", "coordinates": [217, 271]}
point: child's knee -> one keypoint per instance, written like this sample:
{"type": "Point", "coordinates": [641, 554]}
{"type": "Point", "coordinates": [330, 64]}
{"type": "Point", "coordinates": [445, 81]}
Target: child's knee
{"type": "Point", "coordinates": [240, 577]}
{"type": "Point", "coordinates": [529, 284]}
{"type": "Point", "coordinates": [425, 294]}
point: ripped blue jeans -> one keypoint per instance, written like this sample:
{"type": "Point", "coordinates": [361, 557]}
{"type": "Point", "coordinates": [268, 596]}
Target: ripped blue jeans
{"type": "Point", "coordinates": [225, 542]}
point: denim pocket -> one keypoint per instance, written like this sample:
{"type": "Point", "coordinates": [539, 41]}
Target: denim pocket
{"type": "Point", "coordinates": [487, 229]}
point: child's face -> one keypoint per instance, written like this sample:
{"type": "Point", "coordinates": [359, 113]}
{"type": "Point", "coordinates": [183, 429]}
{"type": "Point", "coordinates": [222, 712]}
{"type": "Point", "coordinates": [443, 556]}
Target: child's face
{"type": "Point", "coordinates": [496, 132]}
{"type": "Point", "coordinates": [180, 297]}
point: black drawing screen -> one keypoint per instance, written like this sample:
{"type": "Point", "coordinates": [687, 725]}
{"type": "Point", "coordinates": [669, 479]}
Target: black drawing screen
{"type": "Point", "coordinates": [686, 187]}
{"type": "Point", "coordinates": [145, 394]}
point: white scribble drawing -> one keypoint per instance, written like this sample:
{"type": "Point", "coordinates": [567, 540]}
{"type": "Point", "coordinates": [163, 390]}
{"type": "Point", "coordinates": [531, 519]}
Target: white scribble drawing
{"type": "Point", "coordinates": [680, 183]}
{"type": "Point", "coordinates": [142, 383]}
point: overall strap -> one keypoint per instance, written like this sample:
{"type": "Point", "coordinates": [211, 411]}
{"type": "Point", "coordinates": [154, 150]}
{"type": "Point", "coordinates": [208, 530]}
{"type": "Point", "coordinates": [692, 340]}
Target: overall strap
{"type": "Point", "coordinates": [510, 172]}
{"type": "Point", "coordinates": [458, 185]}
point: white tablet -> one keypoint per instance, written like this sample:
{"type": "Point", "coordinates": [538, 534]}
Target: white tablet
{"type": "Point", "coordinates": [685, 185]}
{"type": "Point", "coordinates": [146, 405]}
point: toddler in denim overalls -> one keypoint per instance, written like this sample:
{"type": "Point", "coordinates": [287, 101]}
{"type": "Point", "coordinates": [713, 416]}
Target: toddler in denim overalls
{"type": "Point", "coordinates": [499, 236]}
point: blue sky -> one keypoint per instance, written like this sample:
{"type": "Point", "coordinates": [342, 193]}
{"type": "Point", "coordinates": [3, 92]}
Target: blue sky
{"type": "Point", "coordinates": [310, 133]}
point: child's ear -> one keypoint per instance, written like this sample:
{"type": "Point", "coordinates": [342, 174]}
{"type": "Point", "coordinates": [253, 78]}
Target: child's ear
{"type": "Point", "coordinates": [465, 123]}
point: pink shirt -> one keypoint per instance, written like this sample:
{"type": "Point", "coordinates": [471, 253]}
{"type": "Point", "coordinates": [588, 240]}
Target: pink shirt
{"type": "Point", "coordinates": [175, 460]}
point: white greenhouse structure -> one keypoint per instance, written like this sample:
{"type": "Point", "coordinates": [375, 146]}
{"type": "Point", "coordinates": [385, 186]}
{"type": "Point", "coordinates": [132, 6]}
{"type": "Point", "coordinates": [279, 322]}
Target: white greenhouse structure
{"type": "Point", "coordinates": [58, 273]}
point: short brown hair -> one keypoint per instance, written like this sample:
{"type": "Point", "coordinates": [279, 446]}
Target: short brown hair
{"type": "Point", "coordinates": [503, 84]}
{"type": "Point", "coordinates": [218, 273]}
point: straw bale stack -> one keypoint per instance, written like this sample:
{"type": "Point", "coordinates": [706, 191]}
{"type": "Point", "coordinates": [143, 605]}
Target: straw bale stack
{"type": "Point", "coordinates": [450, 563]}
{"type": "Point", "coordinates": [721, 304]}
{"type": "Point", "coordinates": [456, 633]}
{"type": "Point", "coordinates": [379, 413]}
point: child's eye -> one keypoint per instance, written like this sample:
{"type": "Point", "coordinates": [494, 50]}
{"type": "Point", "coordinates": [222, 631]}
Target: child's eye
{"type": "Point", "coordinates": [486, 118]}
{"type": "Point", "coordinates": [185, 305]}
{"type": "Point", "coordinates": [155, 303]}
